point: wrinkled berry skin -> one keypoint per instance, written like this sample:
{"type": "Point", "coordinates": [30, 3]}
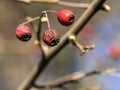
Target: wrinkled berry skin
{"type": "Point", "coordinates": [23, 33]}
{"type": "Point", "coordinates": [51, 37]}
{"type": "Point", "coordinates": [65, 17]}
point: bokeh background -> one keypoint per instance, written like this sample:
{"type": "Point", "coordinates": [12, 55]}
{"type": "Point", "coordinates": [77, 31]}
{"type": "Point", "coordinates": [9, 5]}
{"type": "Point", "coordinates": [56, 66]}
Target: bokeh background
{"type": "Point", "coordinates": [17, 58]}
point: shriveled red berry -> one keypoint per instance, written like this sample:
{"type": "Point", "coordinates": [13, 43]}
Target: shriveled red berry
{"type": "Point", "coordinates": [23, 33]}
{"type": "Point", "coordinates": [66, 17]}
{"type": "Point", "coordinates": [51, 37]}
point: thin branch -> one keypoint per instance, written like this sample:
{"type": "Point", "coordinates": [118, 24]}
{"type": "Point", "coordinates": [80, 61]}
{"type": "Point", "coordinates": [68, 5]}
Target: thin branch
{"type": "Point", "coordinates": [65, 3]}
{"type": "Point", "coordinates": [67, 79]}
{"type": "Point", "coordinates": [38, 37]}
{"type": "Point", "coordinates": [77, 27]}
{"type": "Point", "coordinates": [33, 19]}
{"type": "Point", "coordinates": [29, 81]}
{"type": "Point", "coordinates": [31, 1]}
{"type": "Point", "coordinates": [71, 78]}
{"type": "Point", "coordinates": [90, 88]}
{"type": "Point", "coordinates": [71, 4]}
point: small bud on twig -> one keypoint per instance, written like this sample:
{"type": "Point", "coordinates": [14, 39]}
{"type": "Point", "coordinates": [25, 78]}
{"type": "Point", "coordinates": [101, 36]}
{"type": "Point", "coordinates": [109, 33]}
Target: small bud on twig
{"type": "Point", "coordinates": [106, 8]}
{"type": "Point", "coordinates": [36, 42]}
{"type": "Point", "coordinates": [83, 49]}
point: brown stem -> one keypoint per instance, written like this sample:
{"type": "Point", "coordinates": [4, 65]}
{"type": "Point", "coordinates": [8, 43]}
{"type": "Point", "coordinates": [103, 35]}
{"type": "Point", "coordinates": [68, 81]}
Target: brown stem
{"type": "Point", "coordinates": [71, 78]}
{"type": "Point", "coordinates": [65, 3]}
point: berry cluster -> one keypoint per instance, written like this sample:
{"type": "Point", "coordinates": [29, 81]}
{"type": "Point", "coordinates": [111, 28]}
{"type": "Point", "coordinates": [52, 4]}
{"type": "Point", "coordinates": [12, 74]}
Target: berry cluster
{"type": "Point", "coordinates": [50, 36]}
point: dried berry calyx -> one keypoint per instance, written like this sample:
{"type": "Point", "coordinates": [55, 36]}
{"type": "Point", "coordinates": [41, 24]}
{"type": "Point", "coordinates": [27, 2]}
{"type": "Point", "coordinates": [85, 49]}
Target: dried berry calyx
{"type": "Point", "coordinates": [23, 33]}
{"type": "Point", "coordinates": [51, 37]}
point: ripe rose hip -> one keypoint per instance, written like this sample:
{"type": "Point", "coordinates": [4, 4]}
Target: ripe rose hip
{"type": "Point", "coordinates": [51, 37]}
{"type": "Point", "coordinates": [65, 17]}
{"type": "Point", "coordinates": [23, 33]}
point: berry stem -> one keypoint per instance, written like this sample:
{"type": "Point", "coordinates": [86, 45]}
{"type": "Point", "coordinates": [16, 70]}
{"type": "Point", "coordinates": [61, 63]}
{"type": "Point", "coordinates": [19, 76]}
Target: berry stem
{"type": "Point", "coordinates": [34, 26]}
{"type": "Point", "coordinates": [37, 18]}
{"type": "Point", "coordinates": [33, 19]}
{"type": "Point", "coordinates": [38, 32]}
{"type": "Point", "coordinates": [51, 11]}
{"type": "Point", "coordinates": [48, 22]}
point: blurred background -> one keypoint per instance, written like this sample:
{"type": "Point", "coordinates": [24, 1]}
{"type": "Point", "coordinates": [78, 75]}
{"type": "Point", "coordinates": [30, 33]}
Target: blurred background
{"type": "Point", "coordinates": [17, 58]}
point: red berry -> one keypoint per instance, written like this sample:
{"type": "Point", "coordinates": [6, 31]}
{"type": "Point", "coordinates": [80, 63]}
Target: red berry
{"type": "Point", "coordinates": [23, 33]}
{"type": "Point", "coordinates": [51, 37]}
{"type": "Point", "coordinates": [113, 50]}
{"type": "Point", "coordinates": [65, 17]}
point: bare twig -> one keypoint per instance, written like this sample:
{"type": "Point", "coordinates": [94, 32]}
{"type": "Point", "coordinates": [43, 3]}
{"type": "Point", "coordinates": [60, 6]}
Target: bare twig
{"type": "Point", "coordinates": [71, 78]}
{"type": "Point", "coordinates": [29, 1]}
{"type": "Point", "coordinates": [64, 3]}
{"type": "Point", "coordinates": [47, 56]}
{"type": "Point", "coordinates": [83, 49]}
{"type": "Point", "coordinates": [67, 79]}
{"type": "Point", "coordinates": [31, 20]}
{"type": "Point", "coordinates": [90, 88]}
